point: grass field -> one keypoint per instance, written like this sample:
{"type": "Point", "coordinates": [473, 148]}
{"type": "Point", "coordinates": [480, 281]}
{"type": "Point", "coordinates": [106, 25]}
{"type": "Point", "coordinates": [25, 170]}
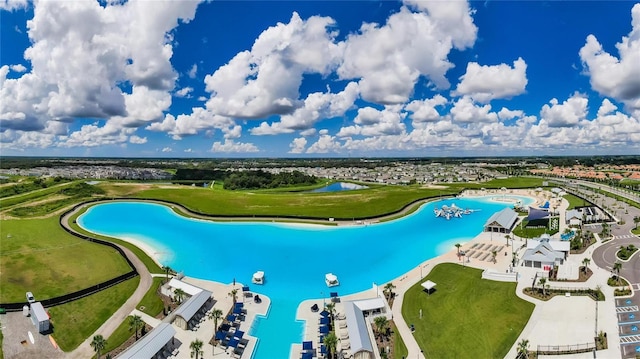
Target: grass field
{"type": "Point", "coordinates": [75, 321]}
{"type": "Point", "coordinates": [575, 201]}
{"type": "Point", "coordinates": [151, 301]}
{"type": "Point", "coordinates": [29, 196]}
{"type": "Point", "coordinates": [466, 317]}
{"type": "Point", "coordinates": [119, 336]}
{"type": "Point", "coordinates": [348, 204]}
{"type": "Point", "coordinates": [39, 256]}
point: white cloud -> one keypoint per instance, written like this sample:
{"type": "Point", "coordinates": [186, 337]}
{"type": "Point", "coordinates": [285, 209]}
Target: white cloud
{"type": "Point", "coordinates": [184, 92]}
{"type": "Point", "coordinates": [425, 110]}
{"type": "Point", "coordinates": [373, 122]}
{"type": "Point", "coordinates": [265, 80]}
{"type": "Point", "coordinates": [567, 114]}
{"type": "Point", "coordinates": [94, 135]}
{"type": "Point", "coordinates": [137, 140]}
{"type": "Point", "coordinates": [465, 110]}
{"type": "Point", "coordinates": [11, 5]}
{"type": "Point", "coordinates": [325, 144]}
{"type": "Point", "coordinates": [298, 145]}
{"type": "Point", "coordinates": [167, 149]}
{"type": "Point", "coordinates": [18, 68]}
{"type": "Point", "coordinates": [109, 45]}
{"type": "Point", "coordinates": [317, 106]}
{"type": "Point", "coordinates": [507, 114]}
{"type": "Point", "coordinates": [486, 83]}
{"type": "Point", "coordinates": [614, 77]}
{"type": "Point", "coordinates": [199, 120]}
{"type": "Point", "coordinates": [229, 146]}
{"type": "Point", "coordinates": [390, 59]}
{"type": "Point", "coordinates": [606, 108]}
{"type": "Point", "coordinates": [193, 71]}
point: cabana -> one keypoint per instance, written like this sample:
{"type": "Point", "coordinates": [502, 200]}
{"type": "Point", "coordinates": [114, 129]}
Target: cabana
{"type": "Point", "coordinates": [331, 280]}
{"type": "Point", "coordinates": [428, 285]}
{"type": "Point", "coordinates": [188, 309]}
{"type": "Point", "coordinates": [151, 344]}
{"type": "Point", "coordinates": [258, 277]}
{"type": "Point", "coordinates": [359, 340]}
{"type": "Point", "coordinates": [501, 222]}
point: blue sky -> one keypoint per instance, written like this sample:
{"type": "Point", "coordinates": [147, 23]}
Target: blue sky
{"type": "Point", "coordinates": [319, 78]}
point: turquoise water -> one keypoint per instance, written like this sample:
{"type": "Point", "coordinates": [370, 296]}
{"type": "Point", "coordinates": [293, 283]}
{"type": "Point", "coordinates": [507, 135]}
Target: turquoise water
{"type": "Point", "coordinates": [295, 258]}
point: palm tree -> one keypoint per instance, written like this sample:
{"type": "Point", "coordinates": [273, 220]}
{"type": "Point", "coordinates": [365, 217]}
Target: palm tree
{"type": "Point", "coordinates": [167, 270]}
{"type": "Point", "coordinates": [523, 349]}
{"type": "Point", "coordinates": [331, 308]}
{"type": "Point", "coordinates": [605, 229]}
{"type": "Point", "coordinates": [233, 294]}
{"type": "Point", "coordinates": [216, 314]}
{"type": "Point", "coordinates": [180, 294]}
{"type": "Point", "coordinates": [196, 348]}
{"type": "Point", "coordinates": [494, 254]}
{"type": "Point", "coordinates": [636, 220]}
{"type": "Point", "coordinates": [388, 289]}
{"type": "Point", "coordinates": [330, 341]}
{"type": "Point", "coordinates": [135, 323]}
{"type": "Point", "coordinates": [585, 263]}
{"type": "Point", "coordinates": [380, 323]}
{"type": "Point", "coordinates": [542, 281]}
{"type": "Point", "coordinates": [98, 343]}
{"type": "Point", "coordinates": [617, 266]}
{"type": "Point", "coordinates": [458, 245]}
{"type": "Point", "coordinates": [508, 237]}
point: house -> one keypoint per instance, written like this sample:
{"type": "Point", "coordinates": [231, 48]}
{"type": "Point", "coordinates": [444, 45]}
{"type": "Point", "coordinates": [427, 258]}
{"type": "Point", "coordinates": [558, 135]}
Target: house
{"type": "Point", "coordinates": [573, 218]}
{"type": "Point", "coordinates": [545, 253]}
{"type": "Point", "coordinates": [502, 221]}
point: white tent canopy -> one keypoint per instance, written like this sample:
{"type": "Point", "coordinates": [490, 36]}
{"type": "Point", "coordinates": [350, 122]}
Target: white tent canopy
{"type": "Point", "coordinates": [428, 285]}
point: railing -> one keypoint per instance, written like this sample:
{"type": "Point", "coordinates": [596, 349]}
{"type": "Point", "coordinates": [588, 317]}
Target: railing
{"type": "Point", "coordinates": [565, 349]}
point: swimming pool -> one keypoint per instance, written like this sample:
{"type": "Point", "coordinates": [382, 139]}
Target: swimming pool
{"type": "Point", "coordinates": [294, 257]}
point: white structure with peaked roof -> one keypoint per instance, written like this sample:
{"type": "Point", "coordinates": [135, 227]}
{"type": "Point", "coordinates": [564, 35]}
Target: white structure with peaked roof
{"type": "Point", "coordinates": [151, 344]}
{"type": "Point", "coordinates": [360, 341]}
{"type": "Point", "coordinates": [502, 221]}
{"type": "Point", "coordinates": [545, 253]}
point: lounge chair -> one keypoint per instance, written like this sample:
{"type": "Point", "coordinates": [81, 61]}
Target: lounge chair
{"type": "Point", "coordinates": [484, 256]}
{"type": "Point", "coordinates": [474, 245]}
{"type": "Point", "coordinates": [480, 246]}
{"type": "Point", "coordinates": [477, 254]}
{"type": "Point", "coordinates": [470, 253]}
{"type": "Point", "coordinates": [342, 324]}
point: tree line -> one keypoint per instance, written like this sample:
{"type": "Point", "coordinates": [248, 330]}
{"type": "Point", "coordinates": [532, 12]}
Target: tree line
{"type": "Point", "coordinates": [249, 179]}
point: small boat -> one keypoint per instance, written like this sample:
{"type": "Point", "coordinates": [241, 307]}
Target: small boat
{"type": "Point", "coordinates": [258, 277]}
{"type": "Point", "coordinates": [331, 280]}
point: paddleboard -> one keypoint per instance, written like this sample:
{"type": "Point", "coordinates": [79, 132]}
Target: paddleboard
{"type": "Point", "coordinates": [31, 338]}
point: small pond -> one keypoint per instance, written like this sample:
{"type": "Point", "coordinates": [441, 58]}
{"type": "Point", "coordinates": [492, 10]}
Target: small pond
{"type": "Point", "coordinates": [339, 186]}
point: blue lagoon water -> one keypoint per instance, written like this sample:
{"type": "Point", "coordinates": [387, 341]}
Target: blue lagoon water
{"type": "Point", "coordinates": [339, 186]}
{"type": "Point", "coordinates": [294, 257]}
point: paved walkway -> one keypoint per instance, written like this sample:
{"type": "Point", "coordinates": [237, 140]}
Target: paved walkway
{"type": "Point", "coordinates": [106, 329]}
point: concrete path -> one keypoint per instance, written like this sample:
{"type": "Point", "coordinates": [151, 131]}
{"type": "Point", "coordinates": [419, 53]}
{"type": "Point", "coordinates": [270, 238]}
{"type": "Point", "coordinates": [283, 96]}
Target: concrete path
{"type": "Point", "coordinates": [106, 329]}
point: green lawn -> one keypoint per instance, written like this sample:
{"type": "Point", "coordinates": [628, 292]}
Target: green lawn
{"type": "Point", "coordinates": [575, 201]}
{"type": "Point", "coordinates": [39, 256]}
{"type": "Point", "coordinates": [119, 336]}
{"type": "Point", "coordinates": [466, 317]}
{"type": "Point", "coordinates": [399, 348]}
{"type": "Point", "coordinates": [151, 300]}
{"type": "Point", "coordinates": [75, 321]}
{"type": "Point", "coordinates": [349, 204]}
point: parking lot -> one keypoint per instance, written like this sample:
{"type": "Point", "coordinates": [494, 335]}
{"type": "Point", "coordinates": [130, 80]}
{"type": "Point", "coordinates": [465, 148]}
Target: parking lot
{"type": "Point", "coordinates": [628, 313]}
{"type": "Point", "coordinates": [17, 343]}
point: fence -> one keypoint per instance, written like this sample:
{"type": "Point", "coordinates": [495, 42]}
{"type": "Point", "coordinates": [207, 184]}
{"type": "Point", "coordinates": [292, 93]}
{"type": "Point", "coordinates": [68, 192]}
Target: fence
{"type": "Point", "coordinates": [14, 307]}
{"type": "Point", "coordinates": [565, 349]}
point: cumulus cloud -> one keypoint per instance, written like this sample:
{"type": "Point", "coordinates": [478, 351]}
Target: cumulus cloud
{"type": "Point", "coordinates": [389, 59]}
{"type": "Point", "coordinates": [325, 144]}
{"type": "Point", "coordinates": [298, 145]}
{"type": "Point", "coordinates": [11, 5]}
{"type": "Point", "coordinates": [167, 149]}
{"type": "Point", "coordinates": [184, 92]}
{"type": "Point", "coordinates": [18, 68]}
{"type": "Point", "coordinates": [465, 110]}
{"type": "Point", "coordinates": [199, 120]}
{"type": "Point", "coordinates": [372, 122]}
{"type": "Point", "coordinates": [137, 140]}
{"type": "Point", "coordinates": [611, 76]}
{"type": "Point", "coordinates": [109, 45]}
{"type": "Point", "coordinates": [486, 83]}
{"type": "Point", "coordinates": [425, 110]}
{"type": "Point", "coordinates": [566, 114]}
{"type": "Point", "coordinates": [193, 71]}
{"type": "Point", "coordinates": [507, 114]}
{"type": "Point", "coordinates": [229, 146]}
{"type": "Point", "coordinates": [317, 106]}
{"type": "Point", "coordinates": [265, 80]}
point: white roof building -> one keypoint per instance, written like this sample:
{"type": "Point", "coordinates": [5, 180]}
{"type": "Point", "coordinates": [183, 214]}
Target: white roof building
{"type": "Point", "coordinates": [149, 345]}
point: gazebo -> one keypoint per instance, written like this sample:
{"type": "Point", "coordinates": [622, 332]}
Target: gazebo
{"type": "Point", "coordinates": [428, 285]}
